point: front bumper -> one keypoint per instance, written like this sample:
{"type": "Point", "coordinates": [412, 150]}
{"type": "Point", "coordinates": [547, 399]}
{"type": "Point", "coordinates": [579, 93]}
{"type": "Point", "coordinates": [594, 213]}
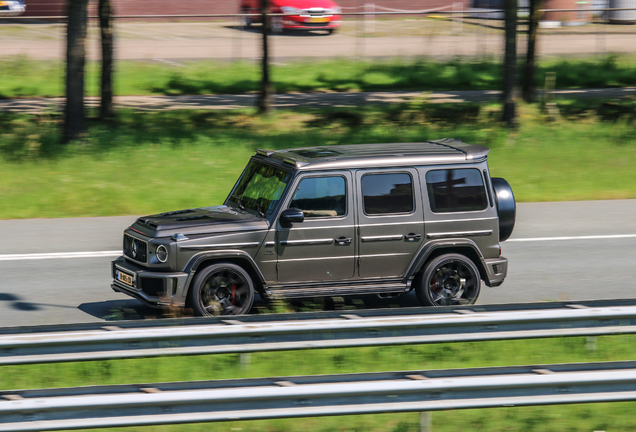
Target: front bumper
{"type": "Point", "coordinates": [303, 22]}
{"type": "Point", "coordinates": [153, 288]}
{"type": "Point", "coordinates": [497, 269]}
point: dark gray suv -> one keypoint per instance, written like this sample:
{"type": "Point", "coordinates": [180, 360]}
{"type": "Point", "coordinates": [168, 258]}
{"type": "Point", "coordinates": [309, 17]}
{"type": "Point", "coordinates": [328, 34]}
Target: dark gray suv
{"type": "Point", "coordinates": [330, 221]}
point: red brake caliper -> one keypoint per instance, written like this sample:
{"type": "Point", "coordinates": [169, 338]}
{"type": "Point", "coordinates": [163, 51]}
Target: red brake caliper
{"type": "Point", "coordinates": [233, 294]}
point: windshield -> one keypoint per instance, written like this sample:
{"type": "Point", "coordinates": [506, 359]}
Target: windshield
{"type": "Point", "coordinates": [260, 188]}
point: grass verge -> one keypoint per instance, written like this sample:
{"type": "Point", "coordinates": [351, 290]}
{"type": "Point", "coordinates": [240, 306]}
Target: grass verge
{"type": "Point", "coordinates": [46, 79]}
{"type": "Point", "coordinates": [160, 161]}
{"type": "Point", "coordinates": [616, 417]}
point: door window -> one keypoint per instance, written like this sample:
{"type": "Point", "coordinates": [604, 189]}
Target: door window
{"type": "Point", "coordinates": [387, 193]}
{"type": "Point", "coordinates": [321, 197]}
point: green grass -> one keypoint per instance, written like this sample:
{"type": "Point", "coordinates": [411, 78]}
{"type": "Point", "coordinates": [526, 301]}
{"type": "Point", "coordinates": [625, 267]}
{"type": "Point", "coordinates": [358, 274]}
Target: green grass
{"type": "Point", "coordinates": [46, 78]}
{"type": "Point", "coordinates": [615, 417]}
{"type": "Point", "coordinates": [160, 161]}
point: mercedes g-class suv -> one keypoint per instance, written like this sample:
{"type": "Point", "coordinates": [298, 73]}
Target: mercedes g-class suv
{"type": "Point", "coordinates": [330, 221]}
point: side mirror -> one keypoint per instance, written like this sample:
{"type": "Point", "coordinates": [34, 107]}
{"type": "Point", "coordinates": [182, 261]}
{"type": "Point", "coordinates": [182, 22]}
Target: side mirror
{"type": "Point", "coordinates": [291, 215]}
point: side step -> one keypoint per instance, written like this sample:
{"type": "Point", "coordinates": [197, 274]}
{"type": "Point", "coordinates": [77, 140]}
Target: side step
{"type": "Point", "coordinates": [295, 291]}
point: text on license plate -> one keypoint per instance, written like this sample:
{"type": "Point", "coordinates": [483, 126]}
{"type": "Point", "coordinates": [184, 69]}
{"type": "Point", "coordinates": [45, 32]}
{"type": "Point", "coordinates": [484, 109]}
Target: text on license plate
{"type": "Point", "coordinates": [317, 20]}
{"type": "Point", "coordinates": [125, 278]}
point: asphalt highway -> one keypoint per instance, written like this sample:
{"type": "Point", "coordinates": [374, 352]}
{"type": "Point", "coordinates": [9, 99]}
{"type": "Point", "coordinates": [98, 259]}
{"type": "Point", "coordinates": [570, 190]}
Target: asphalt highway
{"type": "Point", "coordinates": [57, 270]}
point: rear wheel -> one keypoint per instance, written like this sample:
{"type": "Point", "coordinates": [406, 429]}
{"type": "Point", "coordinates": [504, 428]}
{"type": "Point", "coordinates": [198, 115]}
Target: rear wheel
{"type": "Point", "coordinates": [448, 280]}
{"type": "Point", "coordinates": [221, 289]}
{"type": "Point", "coordinates": [277, 25]}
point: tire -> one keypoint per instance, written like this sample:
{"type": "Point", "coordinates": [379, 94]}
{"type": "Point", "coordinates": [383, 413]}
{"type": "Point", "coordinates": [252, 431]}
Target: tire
{"type": "Point", "coordinates": [449, 280]}
{"type": "Point", "coordinates": [247, 20]}
{"type": "Point", "coordinates": [277, 25]}
{"type": "Point", "coordinates": [221, 289]}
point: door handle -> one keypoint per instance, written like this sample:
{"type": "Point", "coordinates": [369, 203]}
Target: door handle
{"type": "Point", "coordinates": [413, 237]}
{"type": "Point", "coordinates": [343, 241]}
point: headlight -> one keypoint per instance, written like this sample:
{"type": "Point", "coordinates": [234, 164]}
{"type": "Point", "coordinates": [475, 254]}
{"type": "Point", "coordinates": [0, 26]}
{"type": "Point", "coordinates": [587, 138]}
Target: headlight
{"type": "Point", "coordinates": [290, 10]}
{"type": "Point", "coordinates": [335, 11]}
{"type": "Point", "coordinates": [162, 254]}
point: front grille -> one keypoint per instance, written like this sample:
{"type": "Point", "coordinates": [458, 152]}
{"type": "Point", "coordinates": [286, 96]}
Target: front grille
{"type": "Point", "coordinates": [153, 287]}
{"type": "Point", "coordinates": [135, 249]}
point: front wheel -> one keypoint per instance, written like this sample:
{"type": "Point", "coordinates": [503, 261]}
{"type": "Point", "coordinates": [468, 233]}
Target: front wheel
{"type": "Point", "coordinates": [277, 25]}
{"type": "Point", "coordinates": [221, 289]}
{"type": "Point", "coordinates": [448, 280]}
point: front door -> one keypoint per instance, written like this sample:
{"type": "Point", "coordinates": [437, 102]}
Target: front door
{"type": "Point", "coordinates": [391, 221]}
{"type": "Point", "coordinates": [322, 248]}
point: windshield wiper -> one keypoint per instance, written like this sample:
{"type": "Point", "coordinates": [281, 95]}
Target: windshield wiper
{"type": "Point", "coordinates": [238, 201]}
{"type": "Point", "coordinates": [259, 210]}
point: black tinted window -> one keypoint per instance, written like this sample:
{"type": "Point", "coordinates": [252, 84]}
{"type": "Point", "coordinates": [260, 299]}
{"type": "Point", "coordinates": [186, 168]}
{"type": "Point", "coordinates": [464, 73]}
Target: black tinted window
{"type": "Point", "coordinates": [456, 190]}
{"type": "Point", "coordinates": [321, 197]}
{"type": "Point", "coordinates": [387, 193]}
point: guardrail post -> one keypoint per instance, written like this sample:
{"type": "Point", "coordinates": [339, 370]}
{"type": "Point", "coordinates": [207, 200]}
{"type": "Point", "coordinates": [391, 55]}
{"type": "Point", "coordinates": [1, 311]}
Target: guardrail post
{"type": "Point", "coordinates": [245, 360]}
{"type": "Point", "coordinates": [426, 421]}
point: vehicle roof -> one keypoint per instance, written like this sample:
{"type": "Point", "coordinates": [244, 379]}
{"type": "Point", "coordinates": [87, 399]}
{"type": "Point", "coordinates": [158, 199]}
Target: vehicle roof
{"type": "Point", "coordinates": [443, 151]}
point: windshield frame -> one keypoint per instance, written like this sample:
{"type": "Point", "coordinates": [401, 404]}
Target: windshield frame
{"type": "Point", "coordinates": [232, 202]}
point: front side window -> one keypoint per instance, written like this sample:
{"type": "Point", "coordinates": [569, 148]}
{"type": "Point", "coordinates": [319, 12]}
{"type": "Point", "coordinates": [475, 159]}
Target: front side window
{"type": "Point", "coordinates": [260, 188]}
{"type": "Point", "coordinates": [456, 190]}
{"type": "Point", "coordinates": [321, 197]}
{"type": "Point", "coordinates": [387, 193]}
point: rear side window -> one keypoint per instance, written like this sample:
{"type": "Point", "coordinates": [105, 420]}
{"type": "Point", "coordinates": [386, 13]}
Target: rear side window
{"type": "Point", "coordinates": [456, 190]}
{"type": "Point", "coordinates": [387, 193]}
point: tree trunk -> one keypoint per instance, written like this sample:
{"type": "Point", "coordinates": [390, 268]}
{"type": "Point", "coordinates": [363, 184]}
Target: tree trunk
{"type": "Point", "coordinates": [74, 121]}
{"type": "Point", "coordinates": [510, 63]}
{"type": "Point", "coordinates": [529, 81]}
{"type": "Point", "coordinates": [106, 31]}
{"type": "Point", "coordinates": [267, 91]}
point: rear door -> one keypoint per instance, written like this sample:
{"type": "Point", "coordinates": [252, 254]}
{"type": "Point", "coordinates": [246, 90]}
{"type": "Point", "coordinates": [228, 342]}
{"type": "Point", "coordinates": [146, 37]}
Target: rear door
{"type": "Point", "coordinates": [390, 220]}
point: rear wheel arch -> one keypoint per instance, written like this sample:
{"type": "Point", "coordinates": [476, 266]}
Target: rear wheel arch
{"type": "Point", "coordinates": [468, 251]}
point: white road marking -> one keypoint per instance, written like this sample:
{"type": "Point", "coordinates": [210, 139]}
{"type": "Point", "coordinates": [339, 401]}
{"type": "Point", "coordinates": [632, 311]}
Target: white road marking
{"type": "Point", "coordinates": [99, 254]}
{"type": "Point", "coordinates": [59, 255]}
{"type": "Point", "coordinates": [595, 237]}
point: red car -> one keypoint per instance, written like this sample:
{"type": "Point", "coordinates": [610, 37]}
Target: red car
{"type": "Point", "coordinates": [307, 14]}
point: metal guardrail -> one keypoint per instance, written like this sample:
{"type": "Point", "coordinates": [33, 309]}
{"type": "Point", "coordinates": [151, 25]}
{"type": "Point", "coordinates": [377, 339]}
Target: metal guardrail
{"type": "Point", "coordinates": [47, 344]}
{"type": "Point", "coordinates": [287, 397]}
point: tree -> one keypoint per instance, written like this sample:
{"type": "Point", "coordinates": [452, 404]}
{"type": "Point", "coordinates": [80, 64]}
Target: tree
{"type": "Point", "coordinates": [74, 120]}
{"type": "Point", "coordinates": [106, 32]}
{"type": "Point", "coordinates": [529, 82]}
{"type": "Point", "coordinates": [267, 90]}
{"type": "Point", "coordinates": [510, 63]}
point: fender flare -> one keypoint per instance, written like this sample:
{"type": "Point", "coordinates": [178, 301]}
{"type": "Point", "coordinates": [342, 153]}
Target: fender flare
{"type": "Point", "coordinates": [235, 256]}
{"type": "Point", "coordinates": [451, 245]}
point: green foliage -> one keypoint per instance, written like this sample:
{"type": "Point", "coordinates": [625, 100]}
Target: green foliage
{"type": "Point", "coordinates": [148, 162]}
{"type": "Point", "coordinates": [46, 78]}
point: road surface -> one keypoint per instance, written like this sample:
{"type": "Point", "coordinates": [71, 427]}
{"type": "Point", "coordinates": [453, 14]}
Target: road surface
{"type": "Point", "coordinates": [559, 251]}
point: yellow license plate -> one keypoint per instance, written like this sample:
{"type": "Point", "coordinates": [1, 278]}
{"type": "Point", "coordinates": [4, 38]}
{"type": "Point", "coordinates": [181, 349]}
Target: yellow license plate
{"type": "Point", "coordinates": [125, 278]}
{"type": "Point", "coordinates": [317, 20]}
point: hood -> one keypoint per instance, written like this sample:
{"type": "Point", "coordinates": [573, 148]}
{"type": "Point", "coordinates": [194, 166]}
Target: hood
{"type": "Point", "coordinates": [198, 221]}
{"type": "Point", "coordinates": [305, 4]}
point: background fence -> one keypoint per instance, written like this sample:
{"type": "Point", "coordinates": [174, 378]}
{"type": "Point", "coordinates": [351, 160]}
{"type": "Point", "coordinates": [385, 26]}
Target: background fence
{"type": "Point", "coordinates": [378, 30]}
